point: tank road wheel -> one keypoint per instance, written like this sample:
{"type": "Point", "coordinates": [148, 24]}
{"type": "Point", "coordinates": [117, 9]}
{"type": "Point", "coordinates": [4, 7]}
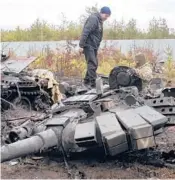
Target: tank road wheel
{"type": "Point", "coordinates": [119, 77]}
{"type": "Point", "coordinates": [122, 76]}
{"type": "Point", "coordinates": [22, 102]}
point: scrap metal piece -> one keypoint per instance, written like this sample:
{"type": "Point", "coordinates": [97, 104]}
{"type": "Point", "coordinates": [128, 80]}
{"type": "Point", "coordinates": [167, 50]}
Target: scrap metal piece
{"type": "Point", "coordinates": [113, 136]}
{"type": "Point", "coordinates": [156, 119]}
{"type": "Point", "coordinates": [85, 134]}
{"type": "Point", "coordinates": [138, 129]}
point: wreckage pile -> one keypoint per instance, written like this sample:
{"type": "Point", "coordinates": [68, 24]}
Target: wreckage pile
{"type": "Point", "coordinates": [162, 99]}
{"type": "Point", "coordinates": [113, 118]}
{"type": "Point", "coordinates": [21, 88]}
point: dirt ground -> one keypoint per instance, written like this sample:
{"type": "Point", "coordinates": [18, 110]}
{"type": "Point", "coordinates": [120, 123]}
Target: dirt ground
{"type": "Point", "coordinates": [146, 164]}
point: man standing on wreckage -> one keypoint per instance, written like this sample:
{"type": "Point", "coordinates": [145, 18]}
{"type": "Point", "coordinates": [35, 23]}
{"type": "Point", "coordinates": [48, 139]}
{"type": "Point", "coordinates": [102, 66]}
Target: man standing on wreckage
{"type": "Point", "coordinates": [90, 41]}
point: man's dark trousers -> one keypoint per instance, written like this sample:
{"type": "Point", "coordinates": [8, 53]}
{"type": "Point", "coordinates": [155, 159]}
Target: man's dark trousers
{"type": "Point", "coordinates": [92, 65]}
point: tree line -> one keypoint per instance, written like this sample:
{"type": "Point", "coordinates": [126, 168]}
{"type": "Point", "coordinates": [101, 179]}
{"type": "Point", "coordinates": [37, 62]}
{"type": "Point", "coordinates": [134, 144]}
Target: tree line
{"type": "Point", "coordinates": [41, 30]}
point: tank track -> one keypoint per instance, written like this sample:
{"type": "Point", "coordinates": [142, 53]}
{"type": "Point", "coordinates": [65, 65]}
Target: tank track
{"type": "Point", "coordinates": [34, 96]}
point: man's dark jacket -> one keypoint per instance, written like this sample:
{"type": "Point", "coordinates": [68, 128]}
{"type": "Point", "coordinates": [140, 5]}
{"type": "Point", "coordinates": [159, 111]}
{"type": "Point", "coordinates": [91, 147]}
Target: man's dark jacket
{"type": "Point", "coordinates": [92, 32]}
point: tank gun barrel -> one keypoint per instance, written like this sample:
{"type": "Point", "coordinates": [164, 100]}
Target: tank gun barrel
{"type": "Point", "coordinates": [34, 144]}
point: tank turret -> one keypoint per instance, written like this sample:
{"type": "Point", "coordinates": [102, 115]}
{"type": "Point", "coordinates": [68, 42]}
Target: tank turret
{"type": "Point", "coordinates": [93, 121]}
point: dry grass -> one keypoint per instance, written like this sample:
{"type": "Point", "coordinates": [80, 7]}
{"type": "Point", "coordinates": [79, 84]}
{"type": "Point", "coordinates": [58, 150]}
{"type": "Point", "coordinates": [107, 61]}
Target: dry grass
{"type": "Point", "coordinates": [71, 63]}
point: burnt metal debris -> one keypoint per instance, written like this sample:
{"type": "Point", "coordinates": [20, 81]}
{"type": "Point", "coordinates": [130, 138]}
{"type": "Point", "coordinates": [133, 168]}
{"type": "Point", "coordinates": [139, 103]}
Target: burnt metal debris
{"type": "Point", "coordinates": [117, 118]}
{"type": "Point", "coordinates": [162, 99]}
{"type": "Point", "coordinates": [20, 88]}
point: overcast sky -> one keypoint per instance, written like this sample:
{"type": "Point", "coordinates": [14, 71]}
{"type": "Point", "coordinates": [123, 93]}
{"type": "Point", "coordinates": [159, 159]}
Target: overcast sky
{"type": "Point", "coordinates": [25, 12]}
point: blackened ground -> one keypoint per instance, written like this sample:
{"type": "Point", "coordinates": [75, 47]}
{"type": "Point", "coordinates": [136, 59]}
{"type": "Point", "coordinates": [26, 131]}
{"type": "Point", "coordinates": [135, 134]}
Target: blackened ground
{"type": "Point", "coordinates": [145, 164]}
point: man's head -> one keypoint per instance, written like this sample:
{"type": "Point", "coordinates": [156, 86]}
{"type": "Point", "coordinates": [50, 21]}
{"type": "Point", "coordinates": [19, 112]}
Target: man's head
{"type": "Point", "coordinates": [140, 60]}
{"type": "Point", "coordinates": [105, 13]}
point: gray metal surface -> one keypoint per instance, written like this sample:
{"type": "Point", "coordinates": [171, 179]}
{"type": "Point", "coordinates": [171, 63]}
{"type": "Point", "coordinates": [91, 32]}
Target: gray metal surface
{"type": "Point", "coordinates": [143, 143]}
{"type": "Point", "coordinates": [112, 133]}
{"type": "Point", "coordinates": [58, 121]}
{"type": "Point", "coordinates": [118, 149]}
{"type": "Point", "coordinates": [106, 105]}
{"type": "Point", "coordinates": [120, 108]}
{"type": "Point", "coordinates": [156, 119]}
{"type": "Point", "coordinates": [164, 101]}
{"type": "Point", "coordinates": [171, 120]}
{"type": "Point", "coordinates": [85, 134]}
{"type": "Point", "coordinates": [34, 144]}
{"type": "Point", "coordinates": [21, 132]}
{"type": "Point", "coordinates": [81, 98]}
{"type": "Point", "coordinates": [108, 124]}
{"type": "Point", "coordinates": [73, 113]}
{"type": "Point", "coordinates": [99, 86]}
{"type": "Point", "coordinates": [159, 131]}
{"type": "Point", "coordinates": [166, 110]}
{"type": "Point", "coordinates": [115, 137]}
{"type": "Point", "coordinates": [136, 126]}
{"type": "Point", "coordinates": [17, 64]}
{"type": "Point", "coordinates": [94, 91]}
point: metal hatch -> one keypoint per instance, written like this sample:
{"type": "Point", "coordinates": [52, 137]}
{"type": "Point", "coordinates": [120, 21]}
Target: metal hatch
{"type": "Point", "coordinates": [16, 65]}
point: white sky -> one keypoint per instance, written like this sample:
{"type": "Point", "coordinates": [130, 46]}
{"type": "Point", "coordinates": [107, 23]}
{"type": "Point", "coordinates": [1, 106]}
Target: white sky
{"type": "Point", "coordinates": [25, 12]}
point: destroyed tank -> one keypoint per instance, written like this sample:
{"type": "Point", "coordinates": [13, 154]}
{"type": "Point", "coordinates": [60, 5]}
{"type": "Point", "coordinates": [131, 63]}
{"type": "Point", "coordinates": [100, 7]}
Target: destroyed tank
{"type": "Point", "coordinates": [19, 88]}
{"type": "Point", "coordinates": [113, 120]}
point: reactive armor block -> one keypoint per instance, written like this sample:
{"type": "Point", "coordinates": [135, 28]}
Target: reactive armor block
{"type": "Point", "coordinates": [140, 133]}
{"type": "Point", "coordinates": [85, 134]}
{"type": "Point", "coordinates": [113, 136]}
{"type": "Point", "coordinates": [156, 119]}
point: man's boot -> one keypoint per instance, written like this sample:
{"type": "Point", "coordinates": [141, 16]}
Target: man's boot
{"type": "Point", "coordinates": [93, 84]}
{"type": "Point", "coordinates": [86, 84]}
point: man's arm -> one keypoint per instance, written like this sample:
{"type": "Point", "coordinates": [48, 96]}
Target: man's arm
{"type": "Point", "coordinates": [90, 26]}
